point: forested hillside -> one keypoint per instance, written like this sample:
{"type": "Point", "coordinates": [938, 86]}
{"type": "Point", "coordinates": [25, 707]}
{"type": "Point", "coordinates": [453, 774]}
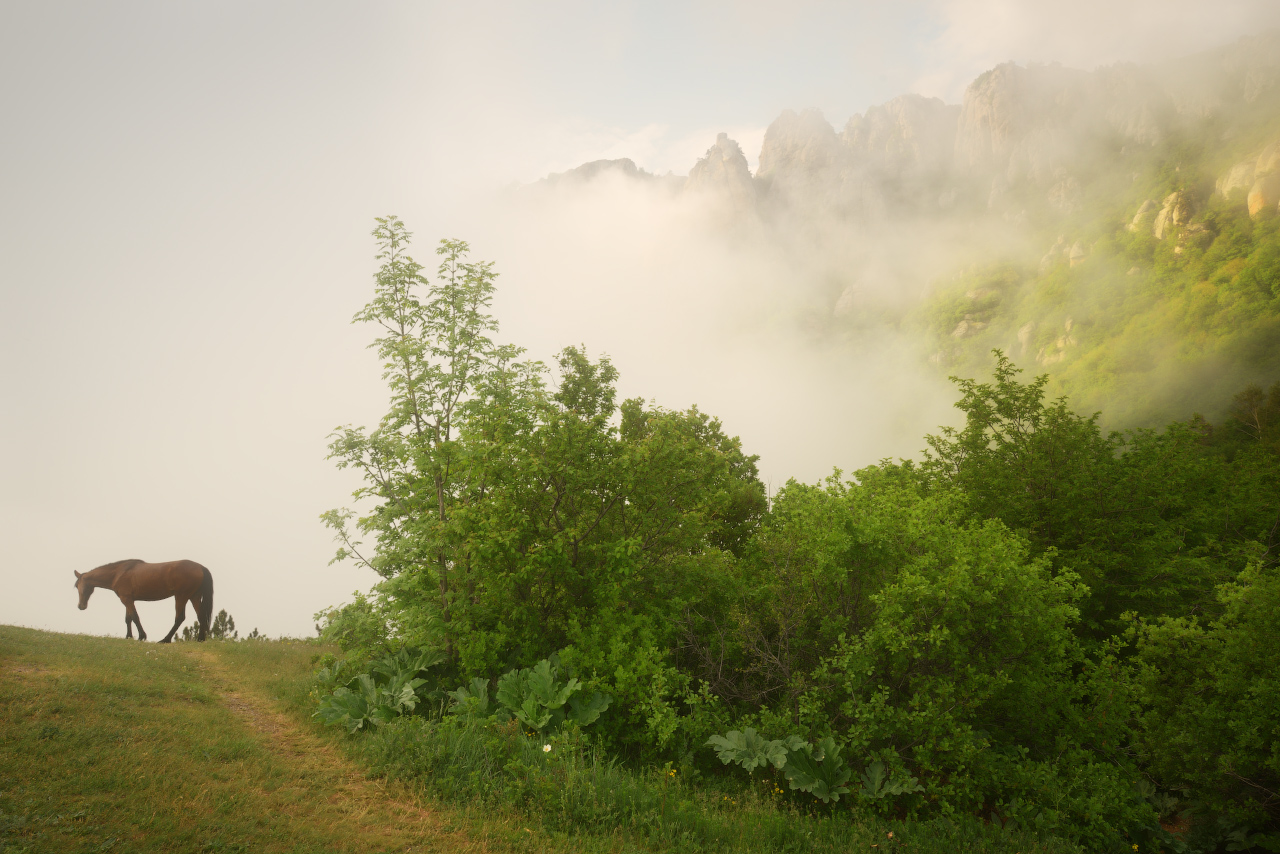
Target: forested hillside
{"type": "Point", "coordinates": [1038, 625]}
{"type": "Point", "coordinates": [1160, 294]}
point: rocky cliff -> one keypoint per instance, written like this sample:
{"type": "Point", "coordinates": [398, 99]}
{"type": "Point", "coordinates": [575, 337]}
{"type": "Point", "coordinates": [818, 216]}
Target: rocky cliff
{"type": "Point", "coordinates": [801, 160]}
{"type": "Point", "coordinates": [724, 172]}
{"type": "Point", "coordinates": [1032, 138]}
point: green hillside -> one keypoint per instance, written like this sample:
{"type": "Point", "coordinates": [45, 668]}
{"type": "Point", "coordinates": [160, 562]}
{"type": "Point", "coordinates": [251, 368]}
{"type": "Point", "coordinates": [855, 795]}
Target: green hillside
{"type": "Point", "coordinates": [1145, 329]}
{"type": "Point", "coordinates": [114, 745]}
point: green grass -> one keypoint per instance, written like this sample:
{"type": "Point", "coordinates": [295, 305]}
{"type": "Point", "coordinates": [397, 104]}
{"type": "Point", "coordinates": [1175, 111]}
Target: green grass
{"type": "Point", "coordinates": [115, 745]}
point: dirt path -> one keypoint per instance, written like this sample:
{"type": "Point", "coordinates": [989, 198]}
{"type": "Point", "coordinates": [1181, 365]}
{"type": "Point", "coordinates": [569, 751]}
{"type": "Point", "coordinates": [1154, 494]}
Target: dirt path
{"type": "Point", "coordinates": [114, 745]}
{"type": "Point", "coordinates": [386, 815]}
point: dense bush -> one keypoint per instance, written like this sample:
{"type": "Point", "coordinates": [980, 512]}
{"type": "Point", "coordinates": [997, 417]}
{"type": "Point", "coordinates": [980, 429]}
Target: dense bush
{"type": "Point", "coordinates": [1051, 628]}
{"type": "Point", "coordinates": [359, 628]}
{"type": "Point", "coordinates": [1211, 718]}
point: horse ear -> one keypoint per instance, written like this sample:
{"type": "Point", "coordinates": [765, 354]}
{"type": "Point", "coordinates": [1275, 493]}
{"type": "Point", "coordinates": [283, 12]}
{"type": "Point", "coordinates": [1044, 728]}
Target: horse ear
{"type": "Point", "coordinates": [77, 572]}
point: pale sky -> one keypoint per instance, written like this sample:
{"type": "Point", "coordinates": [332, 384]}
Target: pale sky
{"type": "Point", "coordinates": [186, 195]}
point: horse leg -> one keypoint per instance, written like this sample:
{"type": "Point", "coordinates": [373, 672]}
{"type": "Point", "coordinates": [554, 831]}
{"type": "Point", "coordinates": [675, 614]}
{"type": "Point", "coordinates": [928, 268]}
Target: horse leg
{"type": "Point", "coordinates": [197, 602]}
{"type": "Point", "coordinates": [131, 613]}
{"type": "Point", "coordinates": [180, 606]}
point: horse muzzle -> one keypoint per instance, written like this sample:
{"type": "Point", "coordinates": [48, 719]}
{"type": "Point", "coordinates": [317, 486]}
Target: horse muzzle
{"type": "Point", "coordinates": [83, 605]}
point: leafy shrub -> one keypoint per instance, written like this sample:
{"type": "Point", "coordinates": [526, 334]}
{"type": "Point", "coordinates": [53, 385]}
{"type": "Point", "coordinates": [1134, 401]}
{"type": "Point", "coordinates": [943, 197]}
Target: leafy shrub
{"type": "Point", "coordinates": [749, 750]}
{"type": "Point", "coordinates": [816, 769]}
{"type": "Point", "coordinates": [392, 687]}
{"type": "Point", "coordinates": [472, 701]}
{"type": "Point", "coordinates": [360, 628]}
{"type": "Point", "coordinates": [877, 783]}
{"type": "Point", "coordinates": [955, 663]}
{"type": "Point", "coordinates": [1211, 721]}
{"type": "Point", "coordinates": [533, 696]}
{"type": "Point", "coordinates": [819, 770]}
{"type": "Point", "coordinates": [537, 698]}
{"type": "Point", "coordinates": [940, 637]}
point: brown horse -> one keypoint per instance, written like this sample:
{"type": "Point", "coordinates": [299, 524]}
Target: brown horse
{"type": "Point", "coordinates": [135, 581]}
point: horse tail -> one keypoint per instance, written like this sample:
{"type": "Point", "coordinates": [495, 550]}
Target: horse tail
{"type": "Point", "coordinates": [205, 612]}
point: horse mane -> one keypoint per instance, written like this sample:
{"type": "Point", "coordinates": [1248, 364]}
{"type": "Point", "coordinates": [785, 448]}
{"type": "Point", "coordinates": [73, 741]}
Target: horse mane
{"type": "Point", "coordinates": [118, 564]}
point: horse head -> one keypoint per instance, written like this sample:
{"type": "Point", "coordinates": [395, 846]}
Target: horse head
{"type": "Point", "coordinates": [84, 589]}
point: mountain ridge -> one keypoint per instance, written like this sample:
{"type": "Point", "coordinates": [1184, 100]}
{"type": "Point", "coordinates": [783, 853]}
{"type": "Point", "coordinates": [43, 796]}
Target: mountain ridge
{"type": "Point", "coordinates": [1118, 228]}
{"type": "Point", "coordinates": [1039, 124]}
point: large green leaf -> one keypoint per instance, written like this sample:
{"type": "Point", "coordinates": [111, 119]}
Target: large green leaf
{"type": "Point", "coordinates": [541, 683]}
{"type": "Point", "coordinates": [585, 712]}
{"type": "Point", "coordinates": [877, 782]}
{"type": "Point", "coordinates": [537, 698]}
{"type": "Point", "coordinates": [405, 664]}
{"type": "Point", "coordinates": [511, 689]}
{"type": "Point", "coordinates": [403, 698]}
{"type": "Point", "coordinates": [383, 714]}
{"type": "Point", "coordinates": [751, 750]}
{"type": "Point", "coordinates": [818, 770]}
{"type": "Point", "coordinates": [365, 685]}
{"type": "Point", "coordinates": [473, 700]}
{"type": "Point", "coordinates": [391, 688]}
{"type": "Point", "coordinates": [345, 707]}
{"type": "Point", "coordinates": [533, 714]}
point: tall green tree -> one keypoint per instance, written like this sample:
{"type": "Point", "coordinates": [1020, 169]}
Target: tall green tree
{"type": "Point", "coordinates": [434, 341]}
{"type": "Point", "coordinates": [512, 518]}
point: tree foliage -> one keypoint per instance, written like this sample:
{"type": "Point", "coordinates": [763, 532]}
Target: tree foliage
{"type": "Point", "coordinates": [512, 518]}
{"type": "Point", "coordinates": [1040, 622]}
{"type": "Point", "coordinates": [1211, 691]}
{"type": "Point", "coordinates": [1150, 521]}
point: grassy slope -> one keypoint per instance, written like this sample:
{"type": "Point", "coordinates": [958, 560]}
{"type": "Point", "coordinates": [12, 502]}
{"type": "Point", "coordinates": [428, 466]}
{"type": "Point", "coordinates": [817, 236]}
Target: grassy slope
{"type": "Point", "coordinates": [113, 745]}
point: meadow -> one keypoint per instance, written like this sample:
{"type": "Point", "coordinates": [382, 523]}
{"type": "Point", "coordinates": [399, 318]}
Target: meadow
{"type": "Point", "coordinates": [114, 745]}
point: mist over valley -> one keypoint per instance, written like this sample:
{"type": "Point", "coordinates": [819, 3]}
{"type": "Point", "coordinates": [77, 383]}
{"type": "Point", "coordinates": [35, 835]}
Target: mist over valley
{"type": "Point", "coordinates": [1105, 227]}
